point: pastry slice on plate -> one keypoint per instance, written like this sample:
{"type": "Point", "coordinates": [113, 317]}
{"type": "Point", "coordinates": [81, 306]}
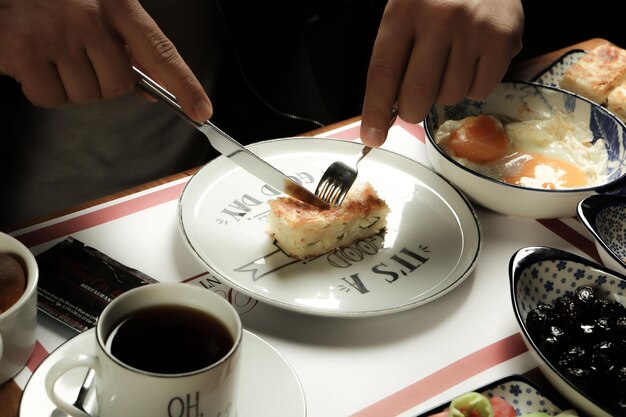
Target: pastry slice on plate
{"type": "Point", "coordinates": [303, 231]}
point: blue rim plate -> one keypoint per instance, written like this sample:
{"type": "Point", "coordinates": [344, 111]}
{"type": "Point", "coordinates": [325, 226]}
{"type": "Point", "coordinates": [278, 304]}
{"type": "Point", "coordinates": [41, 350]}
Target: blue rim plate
{"type": "Point", "coordinates": [522, 393]}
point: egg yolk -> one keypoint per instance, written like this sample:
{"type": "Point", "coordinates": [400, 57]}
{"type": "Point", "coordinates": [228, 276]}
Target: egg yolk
{"type": "Point", "coordinates": [541, 172]}
{"type": "Point", "coordinates": [480, 139]}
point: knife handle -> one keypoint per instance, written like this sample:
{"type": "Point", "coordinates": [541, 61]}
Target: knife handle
{"type": "Point", "coordinates": [155, 90]}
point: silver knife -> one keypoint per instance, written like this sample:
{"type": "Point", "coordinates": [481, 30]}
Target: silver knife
{"type": "Point", "coordinates": [232, 149]}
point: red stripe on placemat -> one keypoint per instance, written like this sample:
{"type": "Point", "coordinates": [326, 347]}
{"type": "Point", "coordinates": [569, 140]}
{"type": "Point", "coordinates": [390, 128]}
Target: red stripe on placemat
{"type": "Point", "coordinates": [101, 216]}
{"type": "Point", "coordinates": [445, 378]}
{"type": "Point", "coordinates": [39, 354]}
{"type": "Point", "coordinates": [416, 130]}
{"type": "Point", "coordinates": [353, 132]}
{"type": "Point", "coordinates": [195, 277]}
{"type": "Point", "coordinates": [572, 236]}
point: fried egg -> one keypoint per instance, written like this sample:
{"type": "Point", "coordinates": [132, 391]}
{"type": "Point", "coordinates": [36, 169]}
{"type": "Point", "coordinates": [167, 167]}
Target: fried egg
{"type": "Point", "coordinates": [553, 153]}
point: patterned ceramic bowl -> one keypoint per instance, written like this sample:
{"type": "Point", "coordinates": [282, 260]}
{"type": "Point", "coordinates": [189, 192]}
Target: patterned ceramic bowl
{"type": "Point", "coordinates": [540, 275]}
{"type": "Point", "coordinates": [524, 101]}
{"type": "Point", "coordinates": [604, 216]}
{"type": "Point", "coordinates": [520, 392]}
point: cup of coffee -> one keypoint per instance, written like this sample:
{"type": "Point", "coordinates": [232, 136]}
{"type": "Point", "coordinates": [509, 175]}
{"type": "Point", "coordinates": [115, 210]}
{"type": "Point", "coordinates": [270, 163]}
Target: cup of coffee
{"type": "Point", "coordinates": [18, 306]}
{"type": "Point", "coordinates": [161, 350]}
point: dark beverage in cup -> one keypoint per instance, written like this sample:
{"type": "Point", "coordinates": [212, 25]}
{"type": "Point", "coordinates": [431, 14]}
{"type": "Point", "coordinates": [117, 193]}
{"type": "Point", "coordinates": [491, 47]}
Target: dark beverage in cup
{"type": "Point", "coordinates": [169, 339]}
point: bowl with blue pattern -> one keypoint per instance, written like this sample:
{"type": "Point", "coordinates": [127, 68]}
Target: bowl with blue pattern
{"type": "Point", "coordinates": [572, 316]}
{"type": "Point", "coordinates": [524, 395]}
{"type": "Point", "coordinates": [553, 73]}
{"type": "Point", "coordinates": [523, 101]}
{"type": "Point", "coordinates": [604, 217]}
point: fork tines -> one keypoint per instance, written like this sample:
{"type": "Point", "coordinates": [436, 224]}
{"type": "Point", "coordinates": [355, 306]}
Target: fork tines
{"type": "Point", "coordinates": [335, 183]}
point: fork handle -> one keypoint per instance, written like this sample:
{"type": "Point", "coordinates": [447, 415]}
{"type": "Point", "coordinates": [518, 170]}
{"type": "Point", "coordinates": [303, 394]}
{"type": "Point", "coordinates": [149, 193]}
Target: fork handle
{"type": "Point", "coordinates": [364, 152]}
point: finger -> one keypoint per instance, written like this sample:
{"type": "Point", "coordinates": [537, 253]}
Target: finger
{"type": "Point", "coordinates": [387, 64]}
{"type": "Point", "coordinates": [156, 53]}
{"type": "Point", "coordinates": [490, 70]}
{"type": "Point", "coordinates": [42, 86]}
{"type": "Point", "coordinates": [79, 78]}
{"type": "Point", "coordinates": [111, 65]}
{"type": "Point", "coordinates": [422, 79]}
{"type": "Point", "coordinates": [458, 76]}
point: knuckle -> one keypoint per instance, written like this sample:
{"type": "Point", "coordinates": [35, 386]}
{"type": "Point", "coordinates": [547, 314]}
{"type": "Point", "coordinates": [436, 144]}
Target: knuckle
{"type": "Point", "coordinates": [398, 9]}
{"type": "Point", "coordinates": [163, 49]}
{"type": "Point", "coordinates": [452, 12]}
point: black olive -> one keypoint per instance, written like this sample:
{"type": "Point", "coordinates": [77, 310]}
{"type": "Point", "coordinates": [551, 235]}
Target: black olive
{"type": "Point", "coordinates": [538, 320]}
{"type": "Point", "coordinates": [574, 357]}
{"type": "Point", "coordinates": [620, 326]}
{"type": "Point", "coordinates": [602, 358]}
{"type": "Point", "coordinates": [604, 324]}
{"type": "Point", "coordinates": [577, 375]}
{"type": "Point", "coordinates": [585, 298]}
{"type": "Point", "coordinates": [585, 337]}
{"type": "Point", "coordinates": [566, 309]}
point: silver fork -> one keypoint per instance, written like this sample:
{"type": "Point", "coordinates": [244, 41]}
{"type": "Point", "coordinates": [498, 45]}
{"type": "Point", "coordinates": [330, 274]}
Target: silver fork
{"type": "Point", "coordinates": [339, 176]}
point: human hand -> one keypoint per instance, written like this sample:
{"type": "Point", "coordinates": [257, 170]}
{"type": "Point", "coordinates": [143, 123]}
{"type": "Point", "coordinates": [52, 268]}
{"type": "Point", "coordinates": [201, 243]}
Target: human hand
{"type": "Point", "coordinates": [79, 51]}
{"type": "Point", "coordinates": [429, 51]}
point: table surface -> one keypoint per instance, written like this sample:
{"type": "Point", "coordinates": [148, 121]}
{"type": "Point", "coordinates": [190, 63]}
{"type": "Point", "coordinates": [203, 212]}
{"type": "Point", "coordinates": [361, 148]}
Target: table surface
{"type": "Point", "coordinates": [394, 365]}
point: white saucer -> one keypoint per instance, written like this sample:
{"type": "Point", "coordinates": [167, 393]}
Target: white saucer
{"type": "Point", "coordinates": [259, 360]}
{"type": "Point", "coordinates": [431, 244]}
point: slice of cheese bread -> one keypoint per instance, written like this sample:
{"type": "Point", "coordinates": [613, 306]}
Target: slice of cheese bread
{"type": "Point", "coordinates": [303, 231]}
{"type": "Point", "coordinates": [616, 101]}
{"type": "Point", "coordinates": [596, 73]}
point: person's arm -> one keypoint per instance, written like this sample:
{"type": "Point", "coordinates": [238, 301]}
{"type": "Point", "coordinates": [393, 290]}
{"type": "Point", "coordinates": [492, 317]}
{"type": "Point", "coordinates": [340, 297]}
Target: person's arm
{"type": "Point", "coordinates": [429, 51]}
{"type": "Point", "coordinates": [80, 51]}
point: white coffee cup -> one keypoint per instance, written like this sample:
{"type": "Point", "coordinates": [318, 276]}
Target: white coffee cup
{"type": "Point", "coordinates": [18, 324]}
{"type": "Point", "coordinates": [124, 390]}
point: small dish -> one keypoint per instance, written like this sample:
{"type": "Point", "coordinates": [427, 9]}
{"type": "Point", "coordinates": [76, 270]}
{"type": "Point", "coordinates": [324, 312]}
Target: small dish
{"type": "Point", "coordinates": [284, 397]}
{"type": "Point", "coordinates": [517, 100]}
{"type": "Point", "coordinates": [604, 216]}
{"type": "Point", "coordinates": [552, 278]}
{"type": "Point", "coordinates": [522, 393]}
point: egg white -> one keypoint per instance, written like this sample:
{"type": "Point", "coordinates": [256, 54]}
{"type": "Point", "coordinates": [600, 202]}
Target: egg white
{"type": "Point", "coordinates": [559, 137]}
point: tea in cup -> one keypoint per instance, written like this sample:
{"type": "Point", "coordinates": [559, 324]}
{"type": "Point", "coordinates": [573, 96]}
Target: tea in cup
{"type": "Point", "coordinates": [19, 275]}
{"type": "Point", "coordinates": [163, 349]}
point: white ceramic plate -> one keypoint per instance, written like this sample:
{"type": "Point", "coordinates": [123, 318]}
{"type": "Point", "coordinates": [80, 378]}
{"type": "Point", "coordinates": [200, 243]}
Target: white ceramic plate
{"type": "Point", "coordinates": [259, 361]}
{"type": "Point", "coordinates": [431, 245]}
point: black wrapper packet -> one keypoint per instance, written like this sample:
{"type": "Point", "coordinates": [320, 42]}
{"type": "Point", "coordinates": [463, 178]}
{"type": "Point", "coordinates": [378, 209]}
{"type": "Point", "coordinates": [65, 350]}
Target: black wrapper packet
{"type": "Point", "coordinates": [76, 282]}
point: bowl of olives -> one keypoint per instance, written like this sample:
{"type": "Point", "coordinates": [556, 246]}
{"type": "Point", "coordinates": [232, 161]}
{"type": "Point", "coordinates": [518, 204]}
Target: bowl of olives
{"type": "Point", "coordinates": [572, 316]}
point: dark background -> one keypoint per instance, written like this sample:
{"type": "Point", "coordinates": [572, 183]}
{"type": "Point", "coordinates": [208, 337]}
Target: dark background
{"type": "Point", "coordinates": [291, 66]}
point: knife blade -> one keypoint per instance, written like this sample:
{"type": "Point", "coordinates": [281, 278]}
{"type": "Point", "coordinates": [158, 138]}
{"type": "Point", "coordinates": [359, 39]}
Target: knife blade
{"type": "Point", "coordinates": [232, 149]}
